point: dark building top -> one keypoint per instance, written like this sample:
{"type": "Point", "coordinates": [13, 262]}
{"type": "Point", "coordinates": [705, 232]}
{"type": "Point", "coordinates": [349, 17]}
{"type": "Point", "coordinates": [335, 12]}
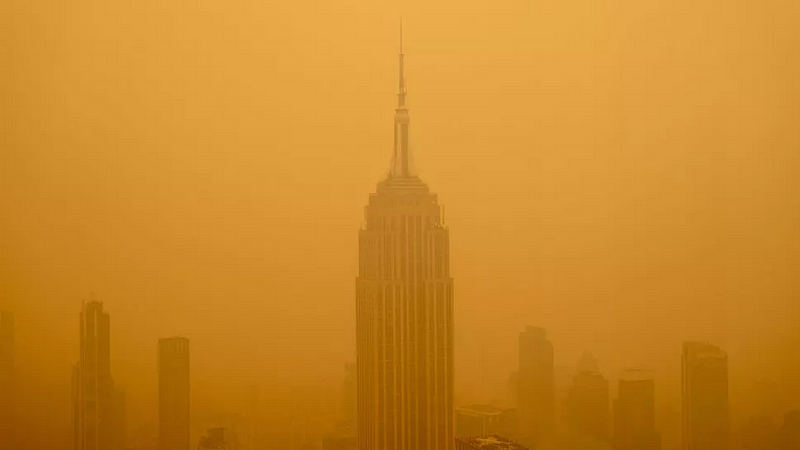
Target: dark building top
{"type": "Point", "coordinates": [491, 442]}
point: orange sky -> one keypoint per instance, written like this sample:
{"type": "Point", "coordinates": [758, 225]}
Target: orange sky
{"type": "Point", "coordinates": [624, 174]}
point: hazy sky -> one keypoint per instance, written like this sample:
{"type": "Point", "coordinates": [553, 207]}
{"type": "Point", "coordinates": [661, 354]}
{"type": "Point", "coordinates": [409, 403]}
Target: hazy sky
{"type": "Point", "coordinates": [623, 173]}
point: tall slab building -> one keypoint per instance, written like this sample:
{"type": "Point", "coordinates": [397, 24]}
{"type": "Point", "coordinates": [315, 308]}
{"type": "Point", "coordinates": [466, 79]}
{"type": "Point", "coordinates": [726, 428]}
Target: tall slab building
{"type": "Point", "coordinates": [404, 310]}
{"type": "Point", "coordinates": [635, 412]}
{"type": "Point", "coordinates": [92, 384]}
{"type": "Point", "coordinates": [173, 393]}
{"type": "Point", "coordinates": [705, 397]}
{"type": "Point", "coordinates": [536, 388]}
{"type": "Point", "coordinates": [7, 381]}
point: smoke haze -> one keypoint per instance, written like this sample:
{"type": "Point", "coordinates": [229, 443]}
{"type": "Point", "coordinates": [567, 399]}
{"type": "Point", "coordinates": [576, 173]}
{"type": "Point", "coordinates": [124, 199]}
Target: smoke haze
{"type": "Point", "coordinates": [624, 175]}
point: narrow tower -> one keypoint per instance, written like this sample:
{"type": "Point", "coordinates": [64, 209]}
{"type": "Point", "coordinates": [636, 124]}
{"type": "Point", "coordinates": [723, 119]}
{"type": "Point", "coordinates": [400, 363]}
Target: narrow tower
{"type": "Point", "coordinates": [173, 393]}
{"type": "Point", "coordinates": [93, 387]}
{"type": "Point", "coordinates": [705, 397]}
{"type": "Point", "coordinates": [535, 388]}
{"type": "Point", "coordinates": [404, 310]}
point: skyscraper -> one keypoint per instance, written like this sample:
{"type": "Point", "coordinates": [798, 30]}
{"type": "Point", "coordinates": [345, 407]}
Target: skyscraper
{"type": "Point", "coordinates": [705, 397]}
{"type": "Point", "coordinates": [6, 381]}
{"type": "Point", "coordinates": [93, 386]}
{"type": "Point", "coordinates": [536, 381]}
{"type": "Point", "coordinates": [404, 310]}
{"type": "Point", "coordinates": [587, 401]}
{"type": "Point", "coordinates": [119, 432]}
{"type": "Point", "coordinates": [634, 412]}
{"type": "Point", "coordinates": [173, 393]}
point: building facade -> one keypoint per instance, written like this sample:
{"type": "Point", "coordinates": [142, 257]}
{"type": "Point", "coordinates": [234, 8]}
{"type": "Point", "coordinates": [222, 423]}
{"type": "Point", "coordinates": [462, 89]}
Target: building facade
{"type": "Point", "coordinates": [173, 393]}
{"type": "Point", "coordinates": [536, 384]}
{"type": "Point", "coordinates": [634, 412]}
{"type": "Point", "coordinates": [404, 310]}
{"type": "Point", "coordinates": [587, 402]}
{"type": "Point", "coordinates": [704, 386]}
{"type": "Point", "coordinates": [92, 384]}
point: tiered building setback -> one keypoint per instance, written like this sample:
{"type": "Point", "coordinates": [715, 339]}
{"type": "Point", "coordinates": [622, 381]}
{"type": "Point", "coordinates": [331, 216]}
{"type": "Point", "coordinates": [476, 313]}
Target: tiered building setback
{"type": "Point", "coordinates": [404, 310]}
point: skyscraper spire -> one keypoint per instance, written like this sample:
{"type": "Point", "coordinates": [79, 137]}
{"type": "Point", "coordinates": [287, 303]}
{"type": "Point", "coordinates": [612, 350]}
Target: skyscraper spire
{"type": "Point", "coordinates": [401, 95]}
{"type": "Point", "coordinates": [401, 160]}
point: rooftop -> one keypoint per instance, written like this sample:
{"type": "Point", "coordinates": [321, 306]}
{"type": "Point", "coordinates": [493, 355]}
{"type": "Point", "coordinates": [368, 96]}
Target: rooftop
{"type": "Point", "coordinates": [479, 409]}
{"type": "Point", "coordinates": [491, 442]}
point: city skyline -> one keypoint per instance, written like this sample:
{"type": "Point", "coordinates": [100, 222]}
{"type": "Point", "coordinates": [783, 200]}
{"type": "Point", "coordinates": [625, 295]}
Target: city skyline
{"type": "Point", "coordinates": [621, 178]}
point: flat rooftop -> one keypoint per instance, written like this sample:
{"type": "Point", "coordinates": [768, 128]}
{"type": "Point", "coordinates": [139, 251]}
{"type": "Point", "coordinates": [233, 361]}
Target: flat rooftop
{"type": "Point", "coordinates": [491, 442]}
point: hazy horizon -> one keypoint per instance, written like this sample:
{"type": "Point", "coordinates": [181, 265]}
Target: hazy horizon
{"type": "Point", "coordinates": [623, 175]}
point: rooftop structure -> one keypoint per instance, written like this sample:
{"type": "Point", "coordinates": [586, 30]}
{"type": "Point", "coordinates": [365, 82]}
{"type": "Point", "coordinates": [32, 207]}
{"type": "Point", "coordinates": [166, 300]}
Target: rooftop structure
{"type": "Point", "coordinates": [491, 442]}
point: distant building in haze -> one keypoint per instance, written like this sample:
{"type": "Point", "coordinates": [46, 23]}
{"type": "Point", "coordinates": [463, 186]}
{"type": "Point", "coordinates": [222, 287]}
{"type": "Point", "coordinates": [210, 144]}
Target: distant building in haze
{"type": "Point", "coordinates": [404, 310]}
{"type": "Point", "coordinates": [119, 432]}
{"type": "Point", "coordinates": [484, 420]}
{"type": "Point", "coordinates": [512, 390]}
{"type": "Point", "coordinates": [536, 384]}
{"type": "Point", "coordinates": [634, 412]}
{"type": "Point", "coordinates": [218, 439]}
{"type": "Point", "coordinates": [350, 395]}
{"type": "Point", "coordinates": [587, 401]}
{"type": "Point", "coordinates": [7, 386]}
{"type": "Point", "coordinates": [173, 393]}
{"type": "Point", "coordinates": [93, 386]}
{"type": "Point", "coordinates": [789, 434]}
{"type": "Point", "coordinates": [493, 442]}
{"type": "Point", "coordinates": [704, 386]}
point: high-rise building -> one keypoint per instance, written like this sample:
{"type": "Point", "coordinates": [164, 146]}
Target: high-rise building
{"type": "Point", "coordinates": [634, 412]}
{"type": "Point", "coordinates": [173, 393]}
{"type": "Point", "coordinates": [404, 310]}
{"type": "Point", "coordinates": [704, 388]}
{"type": "Point", "coordinates": [6, 381]}
{"type": "Point", "coordinates": [587, 401]}
{"type": "Point", "coordinates": [492, 442]}
{"type": "Point", "coordinates": [536, 383]}
{"type": "Point", "coordinates": [119, 432]}
{"type": "Point", "coordinates": [93, 386]}
{"type": "Point", "coordinates": [789, 435]}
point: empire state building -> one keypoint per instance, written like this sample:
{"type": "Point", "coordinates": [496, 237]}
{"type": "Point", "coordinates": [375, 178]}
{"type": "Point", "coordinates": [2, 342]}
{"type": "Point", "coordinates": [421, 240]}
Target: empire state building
{"type": "Point", "coordinates": [404, 310]}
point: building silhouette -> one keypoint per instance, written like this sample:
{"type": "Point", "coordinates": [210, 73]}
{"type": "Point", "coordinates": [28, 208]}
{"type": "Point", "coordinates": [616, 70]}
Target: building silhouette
{"type": "Point", "coordinates": [218, 439]}
{"type": "Point", "coordinates": [704, 388]}
{"type": "Point", "coordinates": [92, 384]}
{"type": "Point", "coordinates": [587, 401]}
{"type": "Point", "coordinates": [173, 393]}
{"type": "Point", "coordinates": [404, 310]}
{"type": "Point", "coordinates": [492, 442]}
{"type": "Point", "coordinates": [7, 385]}
{"type": "Point", "coordinates": [789, 434]}
{"type": "Point", "coordinates": [119, 436]}
{"type": "Point", "coordinates": [634, 412]}
{"type": "Point", "coordinates": [536, 383]}
{"type": "Point", "coordinates": [350, 395]}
